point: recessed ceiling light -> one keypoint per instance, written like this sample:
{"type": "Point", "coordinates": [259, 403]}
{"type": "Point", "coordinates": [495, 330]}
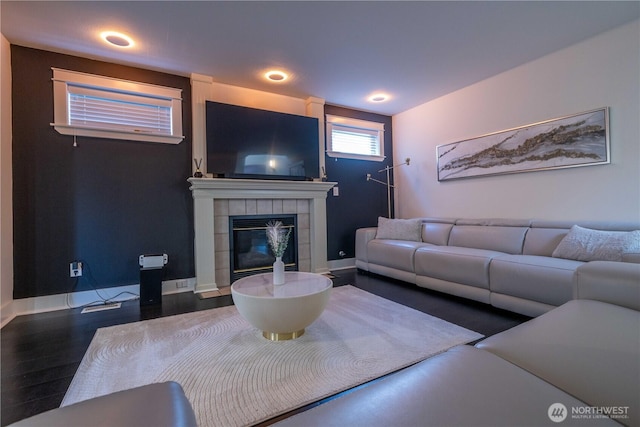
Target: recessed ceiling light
{"type": "Point", "coordinates": [379, 97]}
{"type": "Point", "coordinates": [276, 76]}
{"type": "Point", "coordinates": [117, 39]}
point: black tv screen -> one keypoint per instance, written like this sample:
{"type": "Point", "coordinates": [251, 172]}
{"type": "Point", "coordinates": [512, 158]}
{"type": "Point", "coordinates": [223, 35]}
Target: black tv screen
{"type": "Point", "coordinates": [247, 142]}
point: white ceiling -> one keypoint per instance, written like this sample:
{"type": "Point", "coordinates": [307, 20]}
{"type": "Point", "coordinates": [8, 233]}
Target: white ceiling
{"type": "Point", "coordinates": [339, 51]}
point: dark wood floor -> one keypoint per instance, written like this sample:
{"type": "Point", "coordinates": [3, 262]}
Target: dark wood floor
{"type": "Point", "coordinates": [40, 353]}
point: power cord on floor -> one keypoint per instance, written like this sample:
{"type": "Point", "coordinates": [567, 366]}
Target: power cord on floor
{"type": "Point", "coordinates": [92, 282]}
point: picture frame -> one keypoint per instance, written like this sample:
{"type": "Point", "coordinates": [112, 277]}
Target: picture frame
{"type": "Point", "coordinates": [571, 141]}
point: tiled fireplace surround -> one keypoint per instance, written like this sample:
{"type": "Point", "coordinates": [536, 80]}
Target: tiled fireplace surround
{"type": "Point", "coordinates": [223, 208]}
{"type": "Point", "coordinates": [217, 199]}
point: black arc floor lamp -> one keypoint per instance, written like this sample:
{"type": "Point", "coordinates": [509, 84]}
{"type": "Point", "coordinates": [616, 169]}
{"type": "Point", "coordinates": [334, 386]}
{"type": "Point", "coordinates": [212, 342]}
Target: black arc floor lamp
{"type": "Point", "coordinates": [388, 183]}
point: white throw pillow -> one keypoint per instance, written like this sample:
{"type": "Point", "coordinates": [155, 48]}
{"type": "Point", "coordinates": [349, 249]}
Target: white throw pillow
{"type": "Point", "coordinates": [399, 229]}
{"type": "Point", "coordinates": [584, 244]}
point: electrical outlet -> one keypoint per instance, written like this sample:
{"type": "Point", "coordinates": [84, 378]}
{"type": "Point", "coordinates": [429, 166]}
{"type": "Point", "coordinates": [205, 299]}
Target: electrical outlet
{"type": "Point", "coordinates": [75, 269]}
{"type": "Point", "coordinates": [181, 284]}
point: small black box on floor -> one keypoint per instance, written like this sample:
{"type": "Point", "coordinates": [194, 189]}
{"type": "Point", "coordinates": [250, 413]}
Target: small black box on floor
{"type": "Point", "coordinates": [151, 274]}
{"type": "Point", "coordinates": [151, 286]}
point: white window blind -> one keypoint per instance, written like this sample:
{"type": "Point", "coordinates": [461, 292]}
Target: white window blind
{"type": "Point", "coordinates": [97, 108]}
{"type": "Point", "coordinates": [355, 139]}
{"type": "Point", "coordinates": [358, 141]}
{"type": "Point", "coordinates": [103, 107]}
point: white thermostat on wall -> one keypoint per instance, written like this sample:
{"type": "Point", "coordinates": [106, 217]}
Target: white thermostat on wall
{"type": "Point", "coordinates": [153, 261]}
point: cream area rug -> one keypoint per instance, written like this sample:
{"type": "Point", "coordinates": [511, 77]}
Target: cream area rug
{"type": "Point", "coordinates": [233, 376]}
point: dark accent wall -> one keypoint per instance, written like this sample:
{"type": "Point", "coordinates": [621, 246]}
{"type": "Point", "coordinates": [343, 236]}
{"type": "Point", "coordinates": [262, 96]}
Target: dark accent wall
{"type": "Point", "coordinates": [360, 203]}
{"type": "Point", "coordinates": [104, 202]}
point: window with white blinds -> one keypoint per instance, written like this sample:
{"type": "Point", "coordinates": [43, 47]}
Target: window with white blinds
{"type": "Point", "coordinates": [98, 106]}
{"type": "Point", "coordinates": [355, 139]}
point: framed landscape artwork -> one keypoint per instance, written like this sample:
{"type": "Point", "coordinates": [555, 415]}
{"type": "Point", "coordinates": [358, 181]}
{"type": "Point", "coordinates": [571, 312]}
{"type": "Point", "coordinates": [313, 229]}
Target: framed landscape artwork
{"type": "Point", "coordinates": [577, 140]}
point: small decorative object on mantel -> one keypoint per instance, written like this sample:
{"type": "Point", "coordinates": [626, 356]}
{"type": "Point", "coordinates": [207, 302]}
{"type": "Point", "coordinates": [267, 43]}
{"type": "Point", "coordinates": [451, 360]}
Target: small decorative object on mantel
{"type": "Point", "coordinates": [278, 238]}
{"type": "Point", "coordinates": [198, 172]}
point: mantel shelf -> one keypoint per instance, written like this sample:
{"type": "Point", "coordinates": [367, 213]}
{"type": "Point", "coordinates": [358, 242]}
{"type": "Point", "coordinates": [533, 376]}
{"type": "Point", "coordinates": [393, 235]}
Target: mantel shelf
{"type": "Point", "coordinates": [255, 188]}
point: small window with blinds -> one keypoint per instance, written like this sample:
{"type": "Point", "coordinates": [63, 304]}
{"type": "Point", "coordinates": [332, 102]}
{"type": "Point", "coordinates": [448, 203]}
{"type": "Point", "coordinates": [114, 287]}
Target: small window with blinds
{"type": "Point", "coordinates": [95, 106]}
{"type": "Point", "coordinates": [355, 139]}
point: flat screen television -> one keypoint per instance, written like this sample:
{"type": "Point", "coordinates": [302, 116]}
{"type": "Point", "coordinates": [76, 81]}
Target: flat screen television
{"type": "Point", "coordinates": [251, 143]}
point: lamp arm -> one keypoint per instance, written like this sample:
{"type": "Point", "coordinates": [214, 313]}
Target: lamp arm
{"type": "Point", "coordinates": [388, 183]}
{"type": "Point", "coordinates": [406, 162]}
{"type": "Point", "coordinates": [375, 180]}
{"type": "Point", "coordinates": [380, 182]}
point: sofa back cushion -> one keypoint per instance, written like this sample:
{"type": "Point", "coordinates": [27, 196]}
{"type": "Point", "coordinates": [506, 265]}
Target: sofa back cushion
{"type": "Point", "coordinates": [545, 235]}
{"type": "Point", "coordinates": [399, 229]}
{"type": "Point", "coordinates": [496, 238]}
{"type": "Point", "coordinates": [586, 244]}
{"type": "Point", "coordinates": [436, 233]}
{"type": "Point", "coordinates": [543, 241]}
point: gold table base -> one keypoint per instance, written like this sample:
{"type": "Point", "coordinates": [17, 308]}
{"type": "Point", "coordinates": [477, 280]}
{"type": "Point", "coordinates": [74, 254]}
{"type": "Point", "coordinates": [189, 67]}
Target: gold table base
{"type": "Point", "coordinates": [282, 336]}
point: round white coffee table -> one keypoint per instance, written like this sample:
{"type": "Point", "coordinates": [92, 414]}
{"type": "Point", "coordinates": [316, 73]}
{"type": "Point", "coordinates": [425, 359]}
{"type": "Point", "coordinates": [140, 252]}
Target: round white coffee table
{"type": "Point", "coordinates": [281, 312]}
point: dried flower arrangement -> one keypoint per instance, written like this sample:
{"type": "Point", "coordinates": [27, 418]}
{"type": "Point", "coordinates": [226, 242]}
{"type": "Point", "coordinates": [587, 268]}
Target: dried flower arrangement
{"type": "Point", "coordinates": [278, 237]}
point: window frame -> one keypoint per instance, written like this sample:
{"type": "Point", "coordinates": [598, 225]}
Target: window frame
{"type": "Point", "coordinates": [65, 82]}
{"type": "Point", "coordinates": [350, 124]}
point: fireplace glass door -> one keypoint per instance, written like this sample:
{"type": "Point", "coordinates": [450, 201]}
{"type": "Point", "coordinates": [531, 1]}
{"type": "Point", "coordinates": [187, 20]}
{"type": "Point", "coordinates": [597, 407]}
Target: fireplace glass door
{"type": "Point", "coordinates": [249, 249]}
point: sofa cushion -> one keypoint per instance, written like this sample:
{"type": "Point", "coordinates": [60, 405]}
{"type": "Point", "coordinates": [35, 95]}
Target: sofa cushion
{"type": "Point", "coordinates": [396, 254]}
{"type": "Point", "coordinates": [494, 238]}
{"type": "Point", "coordinates": [399, 229]}
{"type": "Point", "coordinates": [461, 387]}
{"type": "Point", "coordinates": [436, 233]}
{"type": "Point", "coordinates": [543, 241]}
{"type": "Point", "coordinates": [609, 281]}
{"type": "Point", "coordinates": [537, 278]}
{"type": "Point", "coordinates": [159, 404]}
{"type": "Point", "coordinates": [363, 237]}
{"type": "Point", "coordinates": [585, 244]}
{"type": "Point", "coordinates": [467, 266]}
{"type": "Point", "coordinates": [590, 349]}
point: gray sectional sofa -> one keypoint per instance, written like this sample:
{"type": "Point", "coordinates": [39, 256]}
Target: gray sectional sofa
{"type": "Point", "coordinates": [517, 265]}
{"type": "Point", "coordinates": [576, 365]}
{"type": "Point", "coordinates": [154, 405]}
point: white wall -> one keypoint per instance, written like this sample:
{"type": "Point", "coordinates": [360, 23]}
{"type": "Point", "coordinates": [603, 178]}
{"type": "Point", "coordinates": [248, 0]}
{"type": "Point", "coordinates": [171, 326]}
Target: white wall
{"type": "Point", "coordinates": [6, 210]}
{"type": "Point", "coordinates": [602, 71]}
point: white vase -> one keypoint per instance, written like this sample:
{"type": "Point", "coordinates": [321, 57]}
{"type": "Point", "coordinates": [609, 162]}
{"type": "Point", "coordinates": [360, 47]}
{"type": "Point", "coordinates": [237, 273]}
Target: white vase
{"type": "Point", "coordinates": [278, 271]}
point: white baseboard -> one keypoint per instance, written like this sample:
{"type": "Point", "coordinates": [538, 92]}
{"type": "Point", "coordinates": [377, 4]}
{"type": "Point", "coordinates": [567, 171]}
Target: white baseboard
{"type": "Point", "coordinates": [342, 264]}
{"type": "Point", "coordinates": [6, 313]}
{"type": "Point", "coordinates": [171, 286]}
{"type": "Point", "coordinates": [72, 299]}
{"type": "Point", "coordinates": [23, 306]}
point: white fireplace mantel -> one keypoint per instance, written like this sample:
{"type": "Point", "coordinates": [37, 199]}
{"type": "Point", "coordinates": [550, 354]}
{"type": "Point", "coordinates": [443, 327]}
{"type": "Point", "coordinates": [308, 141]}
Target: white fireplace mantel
{"type": "Point", "coordinates": [206, 190]}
